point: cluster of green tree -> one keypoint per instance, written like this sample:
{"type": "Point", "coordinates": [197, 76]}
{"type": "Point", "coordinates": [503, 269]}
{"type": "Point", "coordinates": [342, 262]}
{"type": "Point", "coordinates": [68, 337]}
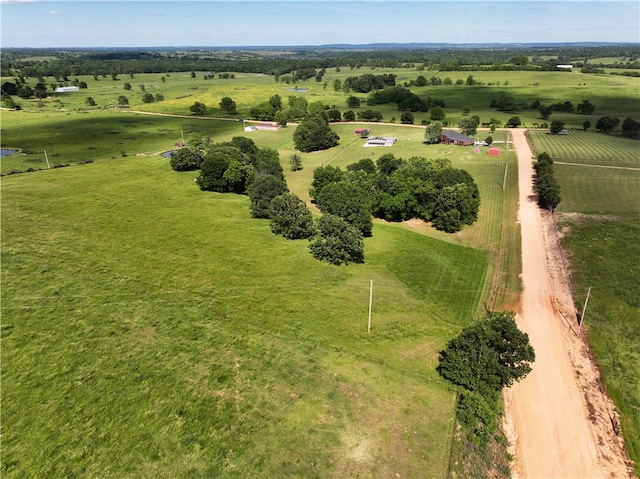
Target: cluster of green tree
{"type": "Point", "coordinates": [484, 358]}
{"type": "Point", "coordinates": [23, 90]}
{"type": "Point", "coordinates": [369, 82]}
{"type": "Point", "coordinates": [396, 190]}
{"type": "Point", "coordinates": [507, 103]}
{"type": "Point", "coordinates": [546, 186]}
{"type": "Point", "coordinates": [404, 98]}
{"type": "Point", "coordinates": [606, 124]}
{"type": "Point", "coordinates": [273, 109]}
{"type": "Point", "coordinates": [239, 166]}
{"type": "Point", "coordinates": [626, 74]}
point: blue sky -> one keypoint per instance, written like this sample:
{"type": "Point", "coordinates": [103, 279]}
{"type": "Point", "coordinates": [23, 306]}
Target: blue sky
{"type": "Point", "coordinates": [117, 23]}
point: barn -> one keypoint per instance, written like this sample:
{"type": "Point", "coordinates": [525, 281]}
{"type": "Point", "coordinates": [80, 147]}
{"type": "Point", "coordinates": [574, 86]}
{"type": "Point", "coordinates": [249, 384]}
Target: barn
{"type": "Point", "coordinates": [450, 137]}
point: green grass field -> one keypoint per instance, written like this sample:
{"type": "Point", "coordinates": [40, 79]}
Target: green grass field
{"type": "Point", "coordinates": [601, 209]}
{"type": "Point", "coordinates": [240, 355]}
{"type": "Point", "coordinates": [589, 148]}
{"type": "Point", "coordinates": [184, 339]}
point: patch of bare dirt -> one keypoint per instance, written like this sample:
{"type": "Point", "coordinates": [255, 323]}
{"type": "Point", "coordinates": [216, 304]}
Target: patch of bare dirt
{"type": "Point", "coordinates": [560, 421]}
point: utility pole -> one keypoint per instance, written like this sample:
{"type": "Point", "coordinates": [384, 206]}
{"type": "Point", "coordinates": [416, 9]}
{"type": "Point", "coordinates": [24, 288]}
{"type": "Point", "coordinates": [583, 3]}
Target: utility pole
{"type": "Point", "coordinates": [47, 159]}
{"type": "Point", "coordinates": [504, 181]}
{"type": "Point", "coordinates": [584, 309]}
{"type": "Point", "coordinates": [370, 303]}
{"type": "Point", "coordinates": [182, 133]}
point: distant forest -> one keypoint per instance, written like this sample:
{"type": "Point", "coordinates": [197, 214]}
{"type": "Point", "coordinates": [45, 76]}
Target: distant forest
{"type": "Point", "coordinates": [62, 63]}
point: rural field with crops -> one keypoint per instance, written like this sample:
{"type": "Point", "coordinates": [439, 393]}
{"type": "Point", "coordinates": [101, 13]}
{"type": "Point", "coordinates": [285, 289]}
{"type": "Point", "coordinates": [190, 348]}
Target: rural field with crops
{"type": "Point", "coordinates": [600, 217]}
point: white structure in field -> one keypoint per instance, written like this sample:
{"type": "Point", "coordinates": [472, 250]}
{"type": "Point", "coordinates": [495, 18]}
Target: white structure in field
{"type": "Point", "coordinates": [381, 141]}
{"type": "Point", "coordinates": [66, 89]}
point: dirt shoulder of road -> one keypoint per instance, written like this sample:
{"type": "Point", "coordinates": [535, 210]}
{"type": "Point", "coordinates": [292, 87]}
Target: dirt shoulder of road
{"type": "Point", "coordinates": [559, 419]}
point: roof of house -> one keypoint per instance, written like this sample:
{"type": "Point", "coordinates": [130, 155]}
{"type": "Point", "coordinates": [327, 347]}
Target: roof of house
{"type": "Point", "coordinates": [454, 135]}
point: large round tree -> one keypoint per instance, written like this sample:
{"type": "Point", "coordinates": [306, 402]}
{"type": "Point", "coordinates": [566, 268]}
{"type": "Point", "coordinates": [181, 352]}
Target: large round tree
{"type": "Point", "coordinates": [314, 134]}
{"type": "Point", "coordinates": [290, 217]}
{"type": "Point", "coordinates": [337, 242]}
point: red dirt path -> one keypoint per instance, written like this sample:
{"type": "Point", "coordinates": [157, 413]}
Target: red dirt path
{"type": "Point", "coordinates": [559, 419]}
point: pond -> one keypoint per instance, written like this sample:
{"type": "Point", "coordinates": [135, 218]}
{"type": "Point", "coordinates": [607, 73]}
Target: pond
{"type": "Point", "coordinates": [7, 151]}
{"type": "Point", "coordinates": [167, 154]}
{"type": "Point", "coordinates": [297, 89]}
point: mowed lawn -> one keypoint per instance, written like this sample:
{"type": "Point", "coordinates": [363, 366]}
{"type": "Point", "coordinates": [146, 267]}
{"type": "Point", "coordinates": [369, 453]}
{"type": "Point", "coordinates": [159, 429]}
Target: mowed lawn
{"type": "Point", "coordinates": [600, 212]}
{"type": "Point", "coordinates": [154, 330]}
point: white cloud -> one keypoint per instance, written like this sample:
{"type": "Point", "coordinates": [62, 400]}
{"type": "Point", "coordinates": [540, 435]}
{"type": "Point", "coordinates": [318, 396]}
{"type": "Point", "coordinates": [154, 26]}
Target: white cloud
{"type": "Point", "coordinates": [53, 13]}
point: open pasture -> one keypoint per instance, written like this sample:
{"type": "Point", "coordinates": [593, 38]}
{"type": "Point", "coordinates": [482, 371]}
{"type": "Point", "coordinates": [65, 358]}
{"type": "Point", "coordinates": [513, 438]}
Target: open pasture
{"type": "Point", "coordinates": [588, 148]}
{"type": "Point", "coordinates": [598, 190]}
{"type": "Point", "coordinates": [612, 95]}
{"type": "Point", "coordinates": [152, 323]}
{"type": "Point", "coordinates": [604, 254]}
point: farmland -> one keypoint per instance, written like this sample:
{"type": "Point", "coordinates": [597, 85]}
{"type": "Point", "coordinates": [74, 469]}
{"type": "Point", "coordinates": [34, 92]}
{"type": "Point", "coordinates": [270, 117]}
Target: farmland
{"type": "Point", "coordinates": [240, 358]}
{"type": "Point", "coordinates": [185, 339]}
{"type": "Point", "coordinates": [599, 213]}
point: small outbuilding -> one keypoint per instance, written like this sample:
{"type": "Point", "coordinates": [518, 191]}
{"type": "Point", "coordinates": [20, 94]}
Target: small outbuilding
{"type": "Point", "coordinates": [450, 137]}
{"type": "Point", "coordinates": [493, 151]}
{"type": "Point", "coordinates": [362, 132]}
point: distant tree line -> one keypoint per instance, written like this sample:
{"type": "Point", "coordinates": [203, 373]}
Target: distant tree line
{"type": "Point", "coordinates": [20, 62]}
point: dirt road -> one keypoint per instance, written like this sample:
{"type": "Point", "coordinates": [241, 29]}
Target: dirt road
{"type": "Point", "coordinates": [559, 420]}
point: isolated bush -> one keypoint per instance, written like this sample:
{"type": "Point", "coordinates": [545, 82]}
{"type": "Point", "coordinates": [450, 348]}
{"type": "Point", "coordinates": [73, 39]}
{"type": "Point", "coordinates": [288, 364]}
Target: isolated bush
{"type": "Point", "coordinates": [295, 162]}
{"type": "Point", "coordinates": [337, 242]}
{"type": "Point", "coordinates": [477, 415]}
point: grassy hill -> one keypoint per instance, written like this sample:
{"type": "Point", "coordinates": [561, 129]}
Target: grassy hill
{"type": "Point", "coordinates": [153, 330]}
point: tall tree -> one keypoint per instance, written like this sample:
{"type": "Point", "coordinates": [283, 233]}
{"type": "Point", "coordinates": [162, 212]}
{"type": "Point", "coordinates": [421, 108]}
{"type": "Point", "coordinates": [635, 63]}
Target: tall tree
{"type": "Point", "coordinates": [437, 113]}
{"type": "Point", "coordinates": [468, 126]}
{"type": "Point", "coordinates": [348, 201]}
{"type": "Point", "coordinates": [337, 242]}
{"type": "Point", "coordinates": [432, 132]}
{"type": "Point", "coordinates": [198, 108]}
{"type": "Point", "coordinates": [607, 124]}
{"type": "Point", "coordinates": [556, 127]}
{"type": "Point", "coordinates": [314, 134]}
{"type": "Point", "coordinates": [228, 105]}
{"type": "Point", "coordinates": [488, 355]}
{"type": "Point", "coordinates": [264, 189]}
{"type": "Point", "coordinates": [290, 217]}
